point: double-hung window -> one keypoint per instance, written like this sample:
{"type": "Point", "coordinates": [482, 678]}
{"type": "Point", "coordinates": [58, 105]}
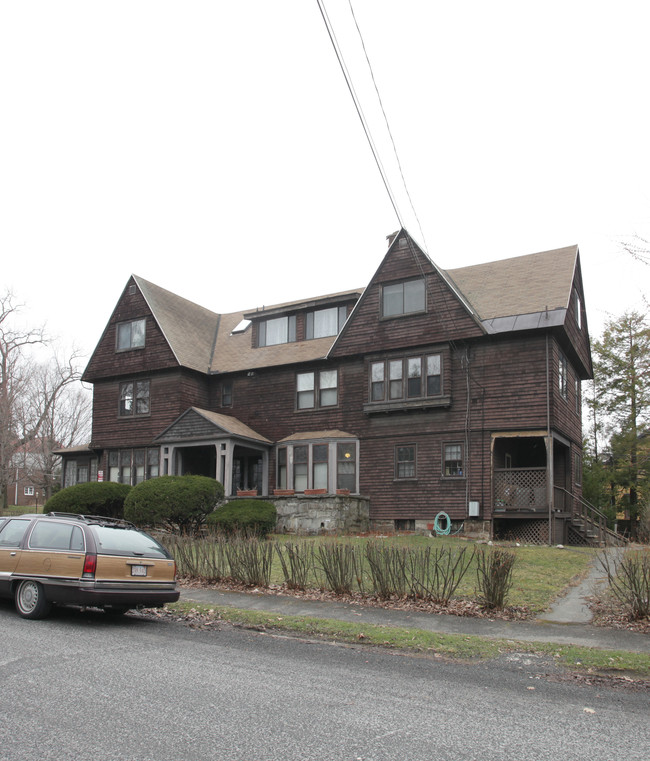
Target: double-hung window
{"type": "Point", "coordinates": [277, 330]}
{"type": "Point", "coordinates": [131, 335]}
{"type": "Point", "coordinates": [403, 298]}
{"type": "Point", "coordinates": [452, 460]}
{"type": "Point", "coordinates": [405, 461]}
{"type": "Point", "coordinates": [317, 389]}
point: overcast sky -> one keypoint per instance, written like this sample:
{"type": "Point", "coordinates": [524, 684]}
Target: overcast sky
{"type": "Point", "coordinates": [214, 149]}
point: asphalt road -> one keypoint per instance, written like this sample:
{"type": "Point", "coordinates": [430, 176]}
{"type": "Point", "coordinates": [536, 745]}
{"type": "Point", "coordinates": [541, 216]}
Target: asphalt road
{"type": "Point", "coordinates": [79, 686]}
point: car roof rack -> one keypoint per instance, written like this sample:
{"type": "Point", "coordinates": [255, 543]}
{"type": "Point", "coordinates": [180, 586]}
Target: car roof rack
{"type": "Point", "coordinates": [103, 519]}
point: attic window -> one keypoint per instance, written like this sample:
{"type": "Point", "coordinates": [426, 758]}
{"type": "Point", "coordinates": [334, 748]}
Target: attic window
{"type": "Point", "coordinates": [130, 335]}
{"type": "Point", "coordinates": [278, 330]}
{"type": "Point", "coordinates": [403, 298]}
{"type": "Point", "coordinates": [132, 290]}
{"type": "Point", "coordinates": [241, 326]}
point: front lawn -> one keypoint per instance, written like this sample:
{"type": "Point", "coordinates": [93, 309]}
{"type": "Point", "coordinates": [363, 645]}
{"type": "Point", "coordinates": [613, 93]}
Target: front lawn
{"type": "Point", "coordinates": [540, 573]}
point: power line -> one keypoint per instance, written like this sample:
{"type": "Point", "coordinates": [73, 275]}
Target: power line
{"type": "Point", "coordinates": [383, 111]}
{"type": "Point", "coordinates": [357, 104]}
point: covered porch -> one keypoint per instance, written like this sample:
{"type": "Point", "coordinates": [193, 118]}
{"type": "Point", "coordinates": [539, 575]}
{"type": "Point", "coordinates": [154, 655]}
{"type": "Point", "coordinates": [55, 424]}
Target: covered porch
{"type": "Point", "coordinates": [206, 443]}
{"type": "Point", "coordinates": [531, 486]}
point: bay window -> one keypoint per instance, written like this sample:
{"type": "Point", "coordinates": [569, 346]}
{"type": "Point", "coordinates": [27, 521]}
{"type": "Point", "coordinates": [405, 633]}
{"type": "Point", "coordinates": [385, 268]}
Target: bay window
{"type": "Point", "coordinates": [318, 464]}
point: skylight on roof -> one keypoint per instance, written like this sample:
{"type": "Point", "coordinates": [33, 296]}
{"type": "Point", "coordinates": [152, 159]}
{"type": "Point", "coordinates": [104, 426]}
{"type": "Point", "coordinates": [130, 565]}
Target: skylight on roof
{"type": "Point", "coordinates": [241, 327]}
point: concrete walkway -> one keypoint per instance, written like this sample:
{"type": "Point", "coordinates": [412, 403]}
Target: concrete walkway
{"type": "Point", "coordinates": [572, 608]}
{"type": "Point", "coordinates": [568, 622]}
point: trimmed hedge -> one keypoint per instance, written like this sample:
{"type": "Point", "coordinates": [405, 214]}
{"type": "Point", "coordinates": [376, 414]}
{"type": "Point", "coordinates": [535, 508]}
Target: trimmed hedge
{"type": "Point", "coordinates": [246, 516]}
{"type": "Point", "coordinates": [178, 501]}
{"type": "Point", "coordinates": [92, 498]}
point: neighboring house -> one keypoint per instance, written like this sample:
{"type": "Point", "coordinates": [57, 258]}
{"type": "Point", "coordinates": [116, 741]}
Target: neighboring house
{"type": "Point", "coordinates": [29, 479]}
{"type": "Point", "coordinates": [427, 391]}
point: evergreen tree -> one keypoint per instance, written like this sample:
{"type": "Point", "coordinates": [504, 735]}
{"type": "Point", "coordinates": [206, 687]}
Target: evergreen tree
{"type": "Point", "coordinates": [622, 365]}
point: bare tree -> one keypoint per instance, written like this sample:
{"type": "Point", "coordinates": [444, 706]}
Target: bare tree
{"type": "Point", "coordinates": [638, 248]}
{"type": "Point", "coordinates": [29, 392]}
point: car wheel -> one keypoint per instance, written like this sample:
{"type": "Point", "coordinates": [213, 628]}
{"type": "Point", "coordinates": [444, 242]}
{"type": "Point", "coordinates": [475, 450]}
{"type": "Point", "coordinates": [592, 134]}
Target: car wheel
{"type": "Point", "coordinates": [31, 601]}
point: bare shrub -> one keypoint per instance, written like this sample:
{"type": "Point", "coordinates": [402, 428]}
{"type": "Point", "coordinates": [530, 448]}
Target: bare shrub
{"type": "Point", "coordinates": [341, 565]}
{"type": "Point", "coordinates": [628, 575]}
{"type": "Point", "coordinates": [493, 576]}
{"type": "Point", "coordinates": [250, 559]}
{"type": "Point", "coordinates": [386, 566]}
{"type": "Point", "coordinates": [296, 561]}
{"type": "Point", "coordinates": [436, 572]}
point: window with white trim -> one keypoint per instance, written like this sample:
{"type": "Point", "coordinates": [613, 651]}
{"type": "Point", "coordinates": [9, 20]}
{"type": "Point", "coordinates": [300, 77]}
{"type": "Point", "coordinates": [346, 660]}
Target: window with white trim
{"type": "Point", "coordinates": [28, 491]}
{"type": "Point", "coordinates": [405, 461]}
{"type": "Point", "coordinates": [328, 465]}
{"type": "Point", "coordinates": [131, 335]}
{"type": "Point", "coordinates": [452, 460]}
{"type": "Point", "coordinates": [317, 389]}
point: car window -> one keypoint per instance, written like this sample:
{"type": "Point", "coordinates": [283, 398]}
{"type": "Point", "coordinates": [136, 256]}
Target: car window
{"type": "Point", "coordinates": [49, 535]}
{"type": "Point", "coordinates": [114, 540]}
{"type": "Point", "coordinates": [11, 532]}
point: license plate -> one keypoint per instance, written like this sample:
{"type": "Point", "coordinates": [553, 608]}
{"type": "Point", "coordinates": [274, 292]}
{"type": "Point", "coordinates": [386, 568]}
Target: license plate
{"type": "Point", "coordinates": [138, 570]}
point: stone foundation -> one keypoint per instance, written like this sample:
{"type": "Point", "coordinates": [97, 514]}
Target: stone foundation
{"type": "Point", "coordinates": [329, 513]}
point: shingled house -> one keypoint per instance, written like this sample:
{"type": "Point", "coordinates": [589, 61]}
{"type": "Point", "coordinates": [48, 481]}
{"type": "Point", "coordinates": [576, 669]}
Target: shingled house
{"type": "Point", "coordinates": [428, 391]}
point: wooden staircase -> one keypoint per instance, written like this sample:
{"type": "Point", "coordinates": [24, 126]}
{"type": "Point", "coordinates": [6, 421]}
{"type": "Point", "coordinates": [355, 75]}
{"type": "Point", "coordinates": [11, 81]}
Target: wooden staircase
{"type": "Point", "coordinates": [590, 524]}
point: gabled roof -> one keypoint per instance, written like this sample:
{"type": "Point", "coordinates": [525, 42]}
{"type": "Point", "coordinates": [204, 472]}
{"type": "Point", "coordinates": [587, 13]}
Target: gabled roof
{"type": "Point", "coordinates": [190, 329]}
{"type": "Point", "coordinates": [204, 422]}
{"type": "Point", "coordinates": [520, 293]}
{"type": "Point", "coordinates": [513, 294]}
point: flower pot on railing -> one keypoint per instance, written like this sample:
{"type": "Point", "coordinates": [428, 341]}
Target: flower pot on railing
{"type": "Point", "coordinates": [247, 492]}
{"type": "Point", "coordinates": [283, 492]}
{"type": "Point", "coordinates": [343, 492]}
{"type": "Point", "coordinates": [314, 492]}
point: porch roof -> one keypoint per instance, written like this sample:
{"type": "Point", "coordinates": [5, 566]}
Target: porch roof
{"type": "Point", "coordinates": [196, 423]}
{"type": "Point", "coordinates": [312, 435]}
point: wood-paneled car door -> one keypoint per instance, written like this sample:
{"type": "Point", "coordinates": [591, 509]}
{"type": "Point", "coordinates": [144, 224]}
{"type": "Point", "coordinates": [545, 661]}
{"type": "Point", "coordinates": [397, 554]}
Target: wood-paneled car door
{"type": "Point", "coordinates": [56, 550]}
{"type": "Point", "coordinates": [11, 534]}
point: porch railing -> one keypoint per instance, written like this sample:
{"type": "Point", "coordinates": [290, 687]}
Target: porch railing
{"type": "Point", "coordinates": [520, 489]}
{"type": "Point", "coordinates": [588, 519]}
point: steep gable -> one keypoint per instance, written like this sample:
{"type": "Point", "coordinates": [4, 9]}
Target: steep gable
{"type": "Point", "coordinates": [445, 314]}
{"type": "Point", "coordinates": [177, 333]}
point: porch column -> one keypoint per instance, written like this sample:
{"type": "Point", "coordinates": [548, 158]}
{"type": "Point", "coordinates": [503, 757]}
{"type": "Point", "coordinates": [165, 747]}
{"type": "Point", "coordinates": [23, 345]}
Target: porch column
{"type": "Point", "coordinates": [550, 480]}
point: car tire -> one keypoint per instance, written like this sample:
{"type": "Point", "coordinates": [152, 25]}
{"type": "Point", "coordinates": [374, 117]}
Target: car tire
{"type": "Point", "coordinates": [30, 600]}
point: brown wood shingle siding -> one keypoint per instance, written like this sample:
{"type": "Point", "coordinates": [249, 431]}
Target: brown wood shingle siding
{"type": "Point", "coordinates": [493, 383]}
